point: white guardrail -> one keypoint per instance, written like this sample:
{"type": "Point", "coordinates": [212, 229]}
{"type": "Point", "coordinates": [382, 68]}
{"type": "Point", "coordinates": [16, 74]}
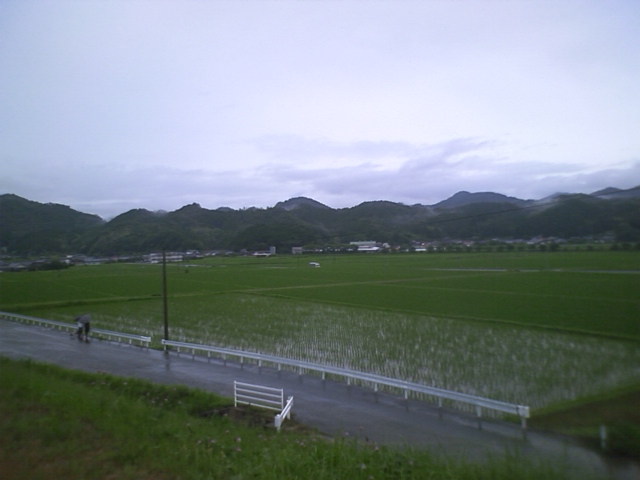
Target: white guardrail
{"type": "Point", "coordinates": [377, 380]}
{"type": "Point", "coordinates": [95, 332]}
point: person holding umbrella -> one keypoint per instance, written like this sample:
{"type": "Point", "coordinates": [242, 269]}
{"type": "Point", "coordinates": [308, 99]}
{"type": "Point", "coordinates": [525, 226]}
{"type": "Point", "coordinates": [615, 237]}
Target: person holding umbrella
{"type": "Point", "coordinates": [84, 326]}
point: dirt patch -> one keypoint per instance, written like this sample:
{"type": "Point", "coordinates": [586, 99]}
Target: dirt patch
{"type": "Point", "coordinates": [252, 417]}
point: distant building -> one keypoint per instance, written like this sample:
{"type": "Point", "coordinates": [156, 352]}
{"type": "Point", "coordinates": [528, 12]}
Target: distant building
{"type": "Point", "coordinates": [366, 246]}
{"type": "Point", "coordinates": [366, 243]}
{"type": "Point", "coordinates": [157, 257]}
{"type": "Point", "coordinates": [271, 251]}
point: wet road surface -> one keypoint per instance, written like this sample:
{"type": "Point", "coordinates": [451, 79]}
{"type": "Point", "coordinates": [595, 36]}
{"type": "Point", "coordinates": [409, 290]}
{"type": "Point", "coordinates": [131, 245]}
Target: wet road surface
{"type": "Point", "coordinates": [333, 408]}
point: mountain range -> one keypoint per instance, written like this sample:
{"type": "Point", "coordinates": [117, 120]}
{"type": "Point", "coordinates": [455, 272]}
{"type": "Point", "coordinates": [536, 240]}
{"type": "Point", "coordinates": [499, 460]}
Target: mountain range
{"type": "Point", "coordinates": [32, 228]}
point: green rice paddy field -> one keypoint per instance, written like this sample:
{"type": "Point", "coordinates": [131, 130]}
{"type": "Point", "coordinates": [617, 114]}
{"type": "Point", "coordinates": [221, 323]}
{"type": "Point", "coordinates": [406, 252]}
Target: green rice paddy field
{"type": "Point", "coordinates": [533, 328]}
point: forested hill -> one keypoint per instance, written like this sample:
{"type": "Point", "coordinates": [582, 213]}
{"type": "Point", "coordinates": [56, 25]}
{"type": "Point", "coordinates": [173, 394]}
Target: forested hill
{"type": "Point", "coordinates": [30, 228]}
{"type": "Point", "coordinates": [27, 226]}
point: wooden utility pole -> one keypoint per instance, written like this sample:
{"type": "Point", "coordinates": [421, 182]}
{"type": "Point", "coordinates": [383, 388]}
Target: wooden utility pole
{"type": "Point", "coordinates": [165, 306]}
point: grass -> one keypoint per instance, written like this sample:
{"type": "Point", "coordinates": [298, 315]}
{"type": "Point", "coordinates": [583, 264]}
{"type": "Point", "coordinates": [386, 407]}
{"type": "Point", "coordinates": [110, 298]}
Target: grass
{"type": "Point", "coordinates": [617, 410]}
{"type": "Point", "coordinates": [608, 408]}
{"type": "Point", "coordinates": [75, 425]}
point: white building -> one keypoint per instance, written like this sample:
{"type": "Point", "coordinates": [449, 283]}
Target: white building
{"type": "Point", "coordinates": [157, 257]}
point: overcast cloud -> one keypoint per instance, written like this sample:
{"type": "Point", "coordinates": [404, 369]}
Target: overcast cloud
{"type": "Point", "coordinates": [112, 105]}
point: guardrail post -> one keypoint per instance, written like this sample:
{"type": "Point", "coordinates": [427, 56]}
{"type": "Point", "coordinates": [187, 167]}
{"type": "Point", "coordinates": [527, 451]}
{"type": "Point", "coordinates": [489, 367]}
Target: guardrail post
{"type": "Point", "coordinates": [524, 413]}
{"type": "Point", "coordinates": [235, 393]}
{"type": "Point", "coordinates": [479, 414]}
{"type": "Point", "coordinates": [285, 414]}
{"type": "Point", "coordinates": [278, 422]}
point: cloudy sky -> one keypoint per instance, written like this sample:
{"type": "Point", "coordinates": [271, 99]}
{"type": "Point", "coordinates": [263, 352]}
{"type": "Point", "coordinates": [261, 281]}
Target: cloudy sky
{"type": "Point", "coordinates": [107, 106]}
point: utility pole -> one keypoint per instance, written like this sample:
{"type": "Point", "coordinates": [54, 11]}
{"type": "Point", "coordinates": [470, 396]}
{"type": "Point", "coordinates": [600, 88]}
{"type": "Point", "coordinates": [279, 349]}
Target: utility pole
{"type": "Point", "coordinates": [165, 306]}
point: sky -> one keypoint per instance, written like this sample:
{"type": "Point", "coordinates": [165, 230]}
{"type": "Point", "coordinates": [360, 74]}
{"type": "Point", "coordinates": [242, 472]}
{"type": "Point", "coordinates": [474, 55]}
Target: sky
{"type": "Point", "coordinates": [107, 106]}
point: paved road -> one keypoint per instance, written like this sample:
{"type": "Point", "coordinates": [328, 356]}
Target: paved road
{"type": "Point", "coordinates": [332, 407]}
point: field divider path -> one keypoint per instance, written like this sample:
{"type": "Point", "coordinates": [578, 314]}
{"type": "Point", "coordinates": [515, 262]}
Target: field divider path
{"type": "Point", "coordinates": [515, 294]}
{"type": "Point", "coordinates": [357, 282]}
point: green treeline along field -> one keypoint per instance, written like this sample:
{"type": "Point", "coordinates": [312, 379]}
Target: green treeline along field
{"type": "Point", "coordinates": [534, 328]}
